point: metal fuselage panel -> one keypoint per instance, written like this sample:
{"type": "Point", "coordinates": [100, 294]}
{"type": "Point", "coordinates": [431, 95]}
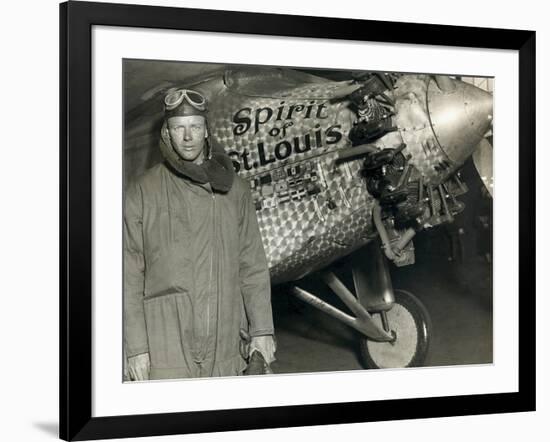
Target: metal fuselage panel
{"type": "Point", "coordinates": [311, 210]}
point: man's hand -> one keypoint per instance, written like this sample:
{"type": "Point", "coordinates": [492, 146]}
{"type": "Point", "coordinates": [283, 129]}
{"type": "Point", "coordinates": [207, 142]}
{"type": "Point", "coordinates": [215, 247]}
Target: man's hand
{"type": "Point", "coordinates": [265, 345]}
{"type": "Point", "coordinates": [260, 354]}
{"type": "Point", "coordinates": [139, 366]}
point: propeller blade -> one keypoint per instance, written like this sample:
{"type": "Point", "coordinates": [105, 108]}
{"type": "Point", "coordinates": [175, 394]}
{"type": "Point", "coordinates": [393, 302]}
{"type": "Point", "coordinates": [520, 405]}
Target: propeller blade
{"type": "Point", "coordinates": [483, 160]}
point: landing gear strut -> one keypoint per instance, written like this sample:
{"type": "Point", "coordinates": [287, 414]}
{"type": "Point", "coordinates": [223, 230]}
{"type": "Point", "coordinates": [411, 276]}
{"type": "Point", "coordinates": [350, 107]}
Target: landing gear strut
{"type": "Point", "coordinates": [394, 325]}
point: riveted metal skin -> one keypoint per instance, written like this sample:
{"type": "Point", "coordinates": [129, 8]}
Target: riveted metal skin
{"type": "Point", "coordinates": [414, 126]}
{"type": "Point", "coordinates": [441, 128]}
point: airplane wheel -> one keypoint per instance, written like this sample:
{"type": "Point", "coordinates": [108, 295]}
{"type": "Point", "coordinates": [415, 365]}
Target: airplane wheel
{"type": "Point", "coordinates": [409, 321]}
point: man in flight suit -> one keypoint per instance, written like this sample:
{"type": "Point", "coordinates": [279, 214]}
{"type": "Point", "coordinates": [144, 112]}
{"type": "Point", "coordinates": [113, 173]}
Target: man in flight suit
{"type": "Point", "coordinates": [195, 273]}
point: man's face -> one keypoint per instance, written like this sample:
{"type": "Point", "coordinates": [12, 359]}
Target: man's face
{"type": "Point", "coordinates": [188, 136]}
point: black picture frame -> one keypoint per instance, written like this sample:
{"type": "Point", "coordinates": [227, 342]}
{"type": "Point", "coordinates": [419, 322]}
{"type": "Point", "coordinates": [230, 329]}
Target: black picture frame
{"type": "Point", "coordinates": [76, 21]}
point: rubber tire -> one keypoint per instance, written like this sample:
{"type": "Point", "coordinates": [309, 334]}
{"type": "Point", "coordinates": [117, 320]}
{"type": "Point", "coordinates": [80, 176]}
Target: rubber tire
{"type": "Point", "coordinates": [422, 324]}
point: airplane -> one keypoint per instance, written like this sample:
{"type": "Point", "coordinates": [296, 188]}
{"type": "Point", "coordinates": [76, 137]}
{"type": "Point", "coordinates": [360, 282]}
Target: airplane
{"type": "Point", "coordinates": [351, 168]}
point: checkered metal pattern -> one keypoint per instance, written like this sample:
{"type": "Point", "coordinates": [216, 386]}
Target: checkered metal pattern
{"type": "Point", "coordinates": [299, 236]}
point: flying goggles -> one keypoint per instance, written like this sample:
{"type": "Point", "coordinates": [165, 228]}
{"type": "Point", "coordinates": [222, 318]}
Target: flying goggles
{"type": "Point", "coordinates": [174, 98]}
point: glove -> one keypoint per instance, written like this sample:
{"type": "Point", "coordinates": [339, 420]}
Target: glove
{"type": "Point", "coordinates": [258, 351]}
{"type": "Point", "coordinates": [139, 367]}
{"type": "Point", "coordinates": [257, 366]}
{"type": "Point", "coordinates": [264, 345]}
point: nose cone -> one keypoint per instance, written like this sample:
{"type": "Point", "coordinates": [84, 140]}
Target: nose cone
{"type": "Point", "coordinates": [459, 118]}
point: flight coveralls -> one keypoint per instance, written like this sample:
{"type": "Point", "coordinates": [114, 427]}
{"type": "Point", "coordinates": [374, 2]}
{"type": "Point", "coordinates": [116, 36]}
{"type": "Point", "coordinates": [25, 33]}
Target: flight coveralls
{"type": "Point", "coordinates": [195, 273]}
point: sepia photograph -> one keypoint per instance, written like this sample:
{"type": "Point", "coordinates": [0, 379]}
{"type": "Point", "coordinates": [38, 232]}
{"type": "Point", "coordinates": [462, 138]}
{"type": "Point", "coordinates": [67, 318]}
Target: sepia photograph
{"type": "Point", "coordinates": [283, 220]}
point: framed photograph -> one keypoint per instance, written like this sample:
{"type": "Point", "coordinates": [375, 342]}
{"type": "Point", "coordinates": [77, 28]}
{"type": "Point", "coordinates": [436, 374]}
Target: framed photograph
{"type": "Point", "coordinates": [273, 221]}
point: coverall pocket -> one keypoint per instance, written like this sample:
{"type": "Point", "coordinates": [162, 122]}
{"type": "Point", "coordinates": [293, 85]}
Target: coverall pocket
{"type": "Point", "coordinates": [163, 318]}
